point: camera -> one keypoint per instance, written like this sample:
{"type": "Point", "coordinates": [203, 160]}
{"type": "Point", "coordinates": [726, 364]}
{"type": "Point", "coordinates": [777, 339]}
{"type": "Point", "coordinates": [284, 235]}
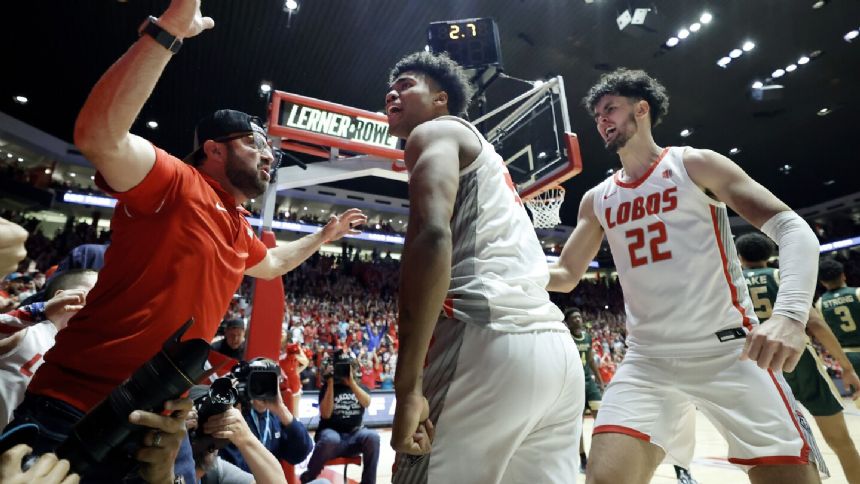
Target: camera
{"type": "Point", "coordinates": [257, 379]}
{"type": "Point", "coordinates": [104, 437]}
{"type": "Point", "coordinates": [215, 399]}
{"type": "Point", "coordinates": [341, 363]}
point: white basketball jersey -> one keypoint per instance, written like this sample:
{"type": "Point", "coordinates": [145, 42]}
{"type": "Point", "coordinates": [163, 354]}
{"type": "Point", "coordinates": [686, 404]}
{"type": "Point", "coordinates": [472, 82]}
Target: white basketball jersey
{"type": "Point", "coordinates": [499, 272]}
{"type": "Point", "coordinates": [676, 260]}
{"type": "Point", "coordinates": [19, 364]}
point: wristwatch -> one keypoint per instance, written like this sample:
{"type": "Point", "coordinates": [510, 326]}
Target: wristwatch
{"type": "Point", "coordinates": [151, 28]}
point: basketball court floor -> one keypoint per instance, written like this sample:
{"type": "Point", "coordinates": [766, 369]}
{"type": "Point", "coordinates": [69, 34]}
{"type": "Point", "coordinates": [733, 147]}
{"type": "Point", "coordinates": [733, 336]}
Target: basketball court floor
{"type": "Point", "coordinates": [709, 464]}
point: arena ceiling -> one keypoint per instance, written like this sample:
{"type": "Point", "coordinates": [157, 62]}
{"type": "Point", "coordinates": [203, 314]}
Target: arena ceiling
{"type": "Point", "coordinates": [341, 51]}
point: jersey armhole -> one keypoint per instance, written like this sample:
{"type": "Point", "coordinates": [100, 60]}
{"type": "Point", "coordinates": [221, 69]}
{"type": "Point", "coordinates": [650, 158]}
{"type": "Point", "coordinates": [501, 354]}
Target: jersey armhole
{"type": "Point", "coordinates": [472, 165]}
{"type": "Point", "coordinates": [699, 192]}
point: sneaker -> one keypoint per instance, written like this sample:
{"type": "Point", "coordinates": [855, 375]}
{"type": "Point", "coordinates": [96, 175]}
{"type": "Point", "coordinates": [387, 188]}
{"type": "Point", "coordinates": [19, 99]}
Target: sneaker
{"type": "Point", "coordinates": [684, 476]}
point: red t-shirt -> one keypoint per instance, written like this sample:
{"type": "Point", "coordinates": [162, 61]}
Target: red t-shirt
{"type": "Point", "coordinates": [179, 248]}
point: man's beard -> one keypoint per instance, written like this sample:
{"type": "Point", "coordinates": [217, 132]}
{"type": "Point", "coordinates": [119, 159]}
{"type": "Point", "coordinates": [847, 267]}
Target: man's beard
{"type": "Point", "coordinates": [246, 180]}
{"type": "Point", "coordinates": [622, 136]}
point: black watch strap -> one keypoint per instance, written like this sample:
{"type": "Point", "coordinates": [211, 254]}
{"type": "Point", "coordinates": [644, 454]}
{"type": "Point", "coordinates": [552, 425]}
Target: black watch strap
{"type": "Point", "coordinates": [151, 28]}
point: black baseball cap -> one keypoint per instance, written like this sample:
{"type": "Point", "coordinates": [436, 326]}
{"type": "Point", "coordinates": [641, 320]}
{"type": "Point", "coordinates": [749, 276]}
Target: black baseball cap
{"type": "Point", "coordinates": [221, 123]}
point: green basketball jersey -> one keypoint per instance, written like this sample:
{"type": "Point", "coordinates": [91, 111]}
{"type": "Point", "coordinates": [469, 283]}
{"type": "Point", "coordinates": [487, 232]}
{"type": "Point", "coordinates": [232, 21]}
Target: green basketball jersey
{"type": "Point", "coordinates": [583, 345]}
{"type": "Point", "coordinates": [841, 310]}
{"type": "Point", "coordinates": [763, 284]}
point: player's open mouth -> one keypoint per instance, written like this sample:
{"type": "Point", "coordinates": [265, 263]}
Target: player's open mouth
{"type": "Point", "coordinates": [609, 132]}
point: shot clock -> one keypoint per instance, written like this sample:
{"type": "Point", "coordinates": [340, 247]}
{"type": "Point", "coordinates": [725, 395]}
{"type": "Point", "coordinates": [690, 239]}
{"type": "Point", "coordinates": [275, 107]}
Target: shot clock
{"type": "Point", "coordinates": [471, 42]}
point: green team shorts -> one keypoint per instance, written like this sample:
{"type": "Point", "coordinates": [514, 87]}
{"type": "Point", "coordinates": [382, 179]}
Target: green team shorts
{"type": "Point", "coordinates": [812, 386]}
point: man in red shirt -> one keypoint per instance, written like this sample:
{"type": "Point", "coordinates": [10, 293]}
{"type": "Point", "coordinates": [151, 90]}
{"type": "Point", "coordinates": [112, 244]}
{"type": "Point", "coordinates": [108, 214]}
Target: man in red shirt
{"type": "Point", "coordinates": [180, 243]}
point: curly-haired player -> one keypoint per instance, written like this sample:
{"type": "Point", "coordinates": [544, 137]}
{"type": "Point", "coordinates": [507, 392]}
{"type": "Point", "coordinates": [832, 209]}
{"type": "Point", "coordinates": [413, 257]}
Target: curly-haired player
{"type": "Point", "coordinates": [688, 311]}
{"type": "Point", "coordinates": [503, 382]}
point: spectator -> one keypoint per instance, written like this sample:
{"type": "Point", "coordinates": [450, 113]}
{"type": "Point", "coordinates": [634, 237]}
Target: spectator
{"type": "Point", "coordinates": [233, 344]}
{"type": "Point", "coordinates": [21, 354]}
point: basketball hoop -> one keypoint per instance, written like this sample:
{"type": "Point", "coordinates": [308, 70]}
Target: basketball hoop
{"type": "Point", "coordinates": [545, 207]}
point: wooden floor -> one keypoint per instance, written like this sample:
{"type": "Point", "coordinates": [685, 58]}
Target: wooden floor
{"type": "Point", "coordinates": [709, 465]}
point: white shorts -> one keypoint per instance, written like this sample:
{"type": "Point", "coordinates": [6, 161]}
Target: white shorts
{"type": "Point", "coordinates": [655, 399]}
{"type": "Point", "coordinates": [507, 408]}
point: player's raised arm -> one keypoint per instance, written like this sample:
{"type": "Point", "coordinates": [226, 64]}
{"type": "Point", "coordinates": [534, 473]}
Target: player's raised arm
{"type": "Point", "coordinates": [579, 250]}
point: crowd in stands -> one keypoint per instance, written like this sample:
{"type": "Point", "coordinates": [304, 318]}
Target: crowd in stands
{"type": "Point", "coordinates": [346, 302]}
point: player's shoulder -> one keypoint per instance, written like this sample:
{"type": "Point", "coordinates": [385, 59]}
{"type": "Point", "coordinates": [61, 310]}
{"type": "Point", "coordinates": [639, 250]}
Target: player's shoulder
{"type": "Point", "coordinates": [443, 128]}
{"type": "Point", "coordinates": [703, 160]}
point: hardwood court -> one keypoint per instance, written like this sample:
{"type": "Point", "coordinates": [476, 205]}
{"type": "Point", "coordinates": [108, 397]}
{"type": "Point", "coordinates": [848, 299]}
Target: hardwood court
{"type": "Point", "coordinates": [709, 464]}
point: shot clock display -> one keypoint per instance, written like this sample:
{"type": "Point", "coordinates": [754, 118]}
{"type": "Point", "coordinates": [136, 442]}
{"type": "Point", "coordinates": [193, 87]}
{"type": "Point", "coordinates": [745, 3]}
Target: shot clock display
{"type": "Point", "coordinates": [471, 42]}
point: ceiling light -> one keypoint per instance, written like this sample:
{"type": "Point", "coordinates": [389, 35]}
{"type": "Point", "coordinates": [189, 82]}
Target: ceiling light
{"type": "Point", "coordinates": [815, 53]}
{"type": "Point", "coordinates": [791, 68]}
{"type": "Point", "coordinates": [291, 5]}
{"type": "Point", "coordinates": [683, 34]}
{"type": "Point", "coordinates": [304, 208]}
{"type": "Point", "coordinates": [830, 182]}
{"type": "Point", "coordinates": [9, 155]}
{"type": "Point", "coordinates": [47, 171]}
{"type": "Point", "coordinates": [92, 177]}
{"type": "Point", "coordinates": [672, 42]}
{"type": "Point", "coordinates": [21, 99]}
{"type": "Point", "coordinates": [819, 4]}
{"type": "Point", "coordinates": [803, 60]}
{"type": "Point", "coordinates": [265, 87]}
{"type": "Point", "coordinates": [851, 35]}
{"type": "Point", "coordinates": [824, 111]}
{"type": "Point", "coordinates": [777, 73]}
{"type": "Point", "coordinates": [72, 175]}
{"type": "Point", "coordinates": [151, 124]}
{"type": "Point", "coordinates": [748, 46]}
{"type": "Point", "coordinates": [20, 160]}
{"type": "Point", "coordinates": [735, 53]}
{"type": "Point", "coordinates": [695, 27]}
{"type": "Point", "coordinates": [757, 85]}
{"type": "Point", "coordinates": [734, 151]}
{"type": "Point", "coordinates": [723, 62]}
{"type": "Point", "coordinates": [785, 169]}
{"type": "Point", "coordinates": [378, 226]}
{"type": "Point", "coordinates": [686, 132]}
{"type": "Point", "coordinates": [706, 18]}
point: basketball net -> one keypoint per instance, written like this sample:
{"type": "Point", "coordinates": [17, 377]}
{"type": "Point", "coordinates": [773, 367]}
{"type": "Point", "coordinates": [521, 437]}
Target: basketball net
{"type": "Point", "coordinates": [545, 207]}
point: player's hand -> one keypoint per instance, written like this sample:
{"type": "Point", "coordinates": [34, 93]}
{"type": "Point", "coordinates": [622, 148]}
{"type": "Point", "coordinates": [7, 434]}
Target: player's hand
{"type": "Point", "coordinates": [46, 470]}
{"type": "Point", "coordinates": [776, 345]}
{"type": "Point", "coordinates": [161, 444]}
{"type": "Point", "coordinates": [183, 19]}
{"type": "Point", "coordinates": [12, 238]}
{"type": "Point", "coordinates": [852, 382]}
{"type": "Point", "coordinates": [413, 431]}
{"type": "Point", "coordinates": [343, 224]}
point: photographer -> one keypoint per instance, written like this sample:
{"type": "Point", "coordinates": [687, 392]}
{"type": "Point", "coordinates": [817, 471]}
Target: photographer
{"type": "Point", "coordinates": [231, 426]}
{"type": "Point", "coordinates": [340, 432]}
{"type": "Point", "coordinates": [272, 423]}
